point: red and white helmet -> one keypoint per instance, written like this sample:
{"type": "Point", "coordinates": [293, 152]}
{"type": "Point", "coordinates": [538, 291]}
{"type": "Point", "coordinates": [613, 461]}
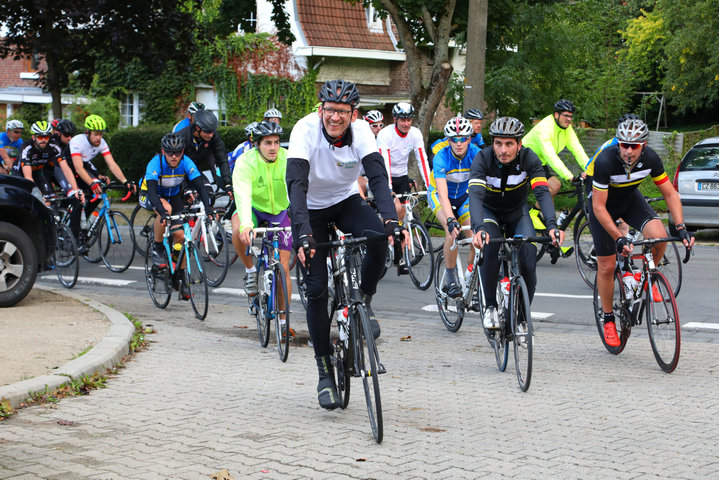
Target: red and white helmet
{"type": "Point", "coordinates": [458, 127]}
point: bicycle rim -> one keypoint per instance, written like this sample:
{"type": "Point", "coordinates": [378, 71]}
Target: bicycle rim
{"type": "Point", "coordinates": [279, 285]}
{"type": "Point", "coordinates": [65, 261]}
{"type": "Point", "coordinates": [158, 281]}
{"type": "Point", "coordinates": [368, 362]}
{"type": "Point", "coordinates": [301, 284]}
{"type": "Point", "coordinates": [93, 254]}
{"type": "Point", "coordinates": [663, 323]}
{"type": "Point", "coordinates": [142, 222]}
{"type": "Point", "coordinates": [195, 278]}
{"type": "Point", "coordinates": [116, 242]}
{"type": "Point", "coordinates": [621, 315]}
{"type": "Point", "coordinates": [522, 331]}
{"type": "Point", "coordinates": [420, 256]}
{"type": "Point", "coordinates": [342, 361]}
{"type": "Point", "coordinates": [261, 302]}
{"type": "Point", "coordinates": [215, 255]}
{"type": "Point", "coordinates": [451, 311]}
{"type": "Point", "coordinates": [584, 254]}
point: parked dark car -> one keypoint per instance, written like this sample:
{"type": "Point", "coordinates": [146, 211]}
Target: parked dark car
{"type": "Point", "coordinates": [27, 238]}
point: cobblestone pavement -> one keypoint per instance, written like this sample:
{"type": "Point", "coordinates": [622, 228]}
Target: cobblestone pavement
{"type": "Point", "coordinates": [205, 397]}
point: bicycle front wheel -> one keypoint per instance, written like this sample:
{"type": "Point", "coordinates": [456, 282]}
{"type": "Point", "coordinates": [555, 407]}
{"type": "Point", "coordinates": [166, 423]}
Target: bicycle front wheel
{"type": "Point", "coordinates": [499, 338]}
{"type": "Point", "coordinates": [584, 253]}
{"type": "Point", "coordinates": [282, 330]}
{"type": "Point", "coordinates": [367, 360]}
{"type": "Point", "coordinates": [343, 363]}
{"type": "Point", "coordinates": [671, 267]}
{"type": "Point", "coordinates": [158, 279]}
{"type": "Point", "coordinates": [420, 256]}
{"type": "Point", "coordinates": [301, 283]}
{"type": "Point", "coordinates": [93, 254]}
{"type": "Point", "coordinates": [142, 222]}
{"type": "Point", "coordinates": [262, 303]}
{"type": "Point", "coordinates": [621, 315]}
{"type": "Point", "coordinates": [451, 310]}
{"type": "Point", "coordinates": [214, 253]}
{"type": "Point", "coordinates": [197, 283]}
{"type": "Point", "coordinates": [116, 242]}
{"type": "Point", "coordinates": [65, 261]}
{"type": "Point", "coordinates": [522, 331]}
{"type": "Point", "coordinates": [663, 322]}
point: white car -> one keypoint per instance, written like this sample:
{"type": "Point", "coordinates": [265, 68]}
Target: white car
{"type": "Point", "coordinates": [697, 181]}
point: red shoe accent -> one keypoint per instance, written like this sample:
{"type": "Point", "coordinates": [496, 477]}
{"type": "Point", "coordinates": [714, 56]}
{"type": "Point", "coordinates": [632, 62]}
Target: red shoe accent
{"type": "Point", "coordinates": [656, 295]}
{"type": "Point", "coordinates": [610, 335]}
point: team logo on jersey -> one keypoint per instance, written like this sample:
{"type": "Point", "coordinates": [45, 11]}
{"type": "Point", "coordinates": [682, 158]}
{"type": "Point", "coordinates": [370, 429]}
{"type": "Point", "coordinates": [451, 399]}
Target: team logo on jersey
{"type": "Point", "coordinates": [347, 163]}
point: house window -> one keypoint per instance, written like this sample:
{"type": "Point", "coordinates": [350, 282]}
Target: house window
{"type": "Point", "coordinates": [131, 110]}
{"type": "Point", "coordinates": [374, 22]}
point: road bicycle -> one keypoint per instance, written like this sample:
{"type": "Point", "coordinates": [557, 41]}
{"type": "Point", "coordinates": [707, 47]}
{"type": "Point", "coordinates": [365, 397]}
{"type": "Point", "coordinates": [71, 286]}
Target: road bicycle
{"type": "Point", "coordinates": [355, 350]}
{"type": "Point", "coordinates": [162, 280]}
{"type": "Point", "coordinates": [272, 301]}
{"type": "Point", "coordinates": [647, 292]}
{"type": "Point", "coordinates": [64, 262]}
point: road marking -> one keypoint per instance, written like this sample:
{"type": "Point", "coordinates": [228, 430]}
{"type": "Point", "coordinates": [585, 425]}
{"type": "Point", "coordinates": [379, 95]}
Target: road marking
{"type": "Point", "coordinates": [704, 326]}
{"type": "Point", "coordinates": [434, 308]}
{"type": "Point", "coordinates": [113, 282]}
{"type": "Point", "coordinates": [241, 292]}
{"type": "Point", "coordinates": [562, 295]}
{"type": "Point", "coordinates": [102, 265]}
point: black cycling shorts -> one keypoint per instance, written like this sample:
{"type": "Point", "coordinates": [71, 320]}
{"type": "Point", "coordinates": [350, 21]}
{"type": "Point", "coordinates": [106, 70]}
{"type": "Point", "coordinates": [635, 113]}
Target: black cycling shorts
{"type": "Point", "coordinates": [635, 211]}
{"type": "Point", "coordinates": [400, 185]}
{"type": "Point", "coordinates": [177, 203]}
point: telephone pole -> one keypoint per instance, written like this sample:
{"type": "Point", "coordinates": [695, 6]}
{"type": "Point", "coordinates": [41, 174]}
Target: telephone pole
{"type": "Point", "coordinates": [476, 54]}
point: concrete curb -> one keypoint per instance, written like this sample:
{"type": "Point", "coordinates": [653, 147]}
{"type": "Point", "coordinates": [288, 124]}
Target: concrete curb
{"type": "Point", "coordinates": [106, 354]}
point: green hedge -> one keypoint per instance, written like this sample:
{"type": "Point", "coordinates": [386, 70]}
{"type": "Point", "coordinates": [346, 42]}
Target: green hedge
{"type": "Point", "coordinates": [133, 147]}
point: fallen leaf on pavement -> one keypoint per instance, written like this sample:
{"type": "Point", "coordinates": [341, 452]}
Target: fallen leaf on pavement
{"type": "Point", "coordinates": [361, 460]}
{"type": "Point", "coordinates": [408, 338]}
{"type": "Point", "coordinates": [432, 429]}
{"type": "Point", "coordinates": [223, 474]}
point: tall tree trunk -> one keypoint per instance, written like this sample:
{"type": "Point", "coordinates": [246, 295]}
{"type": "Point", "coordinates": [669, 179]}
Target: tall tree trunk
{"type": "Point", "coordinates": [52, 82]}
{"type": "Point", "coordinates": [476, 53]}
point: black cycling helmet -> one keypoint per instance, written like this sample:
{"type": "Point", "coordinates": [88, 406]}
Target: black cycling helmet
{"type": "Point", "coordinates": [265, 128]}
{"type": "Point", "coordinates": [628, 116]}
{"type": "Point", "coordinates": [632, 131]}
{"type": "Point", "coordinates": [173, 142]}
{"type": "Point", "coordinates": [66, 127]}
{"type": "Point", "coordinates": [339, 91]}
{"type": "Point", "coordinates": [474, 114]}
{"type": "Point", "coordinates": [506, 127]}
{"type": "Point", "coordinates": [564, 106]}
{"type": "Point", "coordinates": [205, 120]}
{"type": "Point", "coordinates": [249, 128]}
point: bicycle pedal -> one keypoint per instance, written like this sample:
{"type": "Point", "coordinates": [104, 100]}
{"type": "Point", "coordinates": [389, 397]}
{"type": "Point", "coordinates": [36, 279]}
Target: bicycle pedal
{"type": "Point", "coordinates": [381, 369]}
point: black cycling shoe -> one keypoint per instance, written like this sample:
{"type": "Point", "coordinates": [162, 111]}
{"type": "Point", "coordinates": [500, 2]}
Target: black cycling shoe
{"type": "Point", "coordinates": [326, 388]}
{"type": "Point", "coordinates": [373, 322]}
{"type": "Point", "coordinates": [454, 290]}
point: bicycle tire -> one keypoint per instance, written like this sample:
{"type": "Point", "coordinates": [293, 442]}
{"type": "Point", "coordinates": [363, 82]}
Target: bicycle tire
{"type": "Point", "coordinates": [215, 262]}
{"type": "Point", "coordinates": [280, 284]}
{"type": "Point", "coordinates": [158, 281]}
{"type": "Point", "coordinates": [499, 339]}
{"type": "Point", "coordinates": [116, 242]}
{"type": "Point", "coordinates": [301, 284]}
{"type": "Point", "coordinates": [584, 253]}
{"type": "Point", "coordinates": [452, 319]}
{"type": "Point", "coordinates": [387, 263]}
{"type": "Point", "coordinates": [343, 364]}
{"type": "Point", "coordinates": [522, 332]}
{"type": "Point", "coordinates": [93, 254]}
{"type": "Point", "coordinates": [420, 257]}
{"type": "Point", "coordinates": [142, 222]}
{"type": "Point", "coordinates": [65, 260]}
{"type": "Point", "coordinates": [671, 267]}
{"type": "Point", "coordinates": [262, 302]}
{"type": "Point", "coordinates": [368, 362]}
{"type": "Point", "coordinates": [197, 283]}
{"type": "Point", "coordinates": [621, 315]}
{"type": "Point", "coordinates": [663, 323]}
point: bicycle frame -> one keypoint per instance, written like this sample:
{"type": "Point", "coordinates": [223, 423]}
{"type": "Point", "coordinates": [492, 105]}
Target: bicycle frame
{"type": "Point", "coordinates": [185, 217]}
{"type": "Point", "coordinates": [270, 262]}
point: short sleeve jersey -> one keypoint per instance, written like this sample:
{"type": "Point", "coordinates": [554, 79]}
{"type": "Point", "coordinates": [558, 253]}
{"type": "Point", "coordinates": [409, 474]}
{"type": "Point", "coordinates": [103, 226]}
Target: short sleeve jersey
{"type": "Point", "coordinates": [333, 170]}
{"type": "Point", "coordinates": [80, 146]}
{"type": "Point", "coordinates": [37, 159]}
{"type": "Point", "coordinates": [612, 175]}
{"type": "Point", "coordinates": [12, 148]}
{"type": "Point", "coordinates": [395, 148]}
{"type": "Point", "coordinates": [169, 180]}
{"type": "Point", "coordinates": [232, 157]}
{"type": "Point", "coordinates": [185, 122]}
{"type": "Point", "coordinates": [454, 170]}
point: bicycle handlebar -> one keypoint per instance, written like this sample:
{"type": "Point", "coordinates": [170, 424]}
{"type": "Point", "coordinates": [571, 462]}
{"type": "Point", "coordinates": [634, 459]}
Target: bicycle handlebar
{"type": "Point", "coordinates": [653, 241]}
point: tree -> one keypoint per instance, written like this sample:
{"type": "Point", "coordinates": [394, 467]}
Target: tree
{"type": "Point", "coordinates": [71, 37]}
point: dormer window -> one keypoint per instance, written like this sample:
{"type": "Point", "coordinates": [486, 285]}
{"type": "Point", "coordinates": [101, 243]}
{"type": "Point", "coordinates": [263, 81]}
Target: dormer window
{"type": "Point", "coordinates": [374, 22]}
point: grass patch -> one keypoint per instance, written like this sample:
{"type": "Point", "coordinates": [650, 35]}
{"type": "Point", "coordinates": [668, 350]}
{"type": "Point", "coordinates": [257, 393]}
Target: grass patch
{"type": "Point", "coordinates": [6, 409]}
{"type": "Point", "coordinates": [82, 353]}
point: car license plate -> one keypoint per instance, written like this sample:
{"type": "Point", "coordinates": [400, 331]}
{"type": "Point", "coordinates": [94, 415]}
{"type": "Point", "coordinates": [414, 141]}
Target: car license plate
{"type": "Point", "coordinates": [708, 186]}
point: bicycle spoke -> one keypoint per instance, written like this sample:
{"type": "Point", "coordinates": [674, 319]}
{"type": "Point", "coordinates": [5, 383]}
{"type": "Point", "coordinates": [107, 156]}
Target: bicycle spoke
{"type": "Point", "coordinates": [116, 242]}
{"type": "Point", "coordinates": [663, 323]}
{"type": "Point", "coordinates": [522, 332]}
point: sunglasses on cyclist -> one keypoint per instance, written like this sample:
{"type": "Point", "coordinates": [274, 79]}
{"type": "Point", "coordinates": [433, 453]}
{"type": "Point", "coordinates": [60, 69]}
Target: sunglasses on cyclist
{"type": "Point", "coordinates": [42, 137]}
{"type": "Point", "coordinates": [17, 132]}
{"type": "Point", "coordinates": [380, 125]}
{"type": "Point", "coordinates": [173, 153]}
{"type": "Point", "coordinates": [458, 139]}
{"type": "Point", "coordinates": [632, 146]}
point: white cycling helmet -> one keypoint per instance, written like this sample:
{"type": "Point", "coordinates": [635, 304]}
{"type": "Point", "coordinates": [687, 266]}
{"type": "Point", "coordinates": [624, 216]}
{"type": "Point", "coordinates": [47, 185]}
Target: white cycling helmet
{"type": "Point", "coordinates": [374, 116]}
{"type": "Point", "coordinates": [273, 113]}
{"type": "Point", "coordinates": [632, 131]}
{"type": "Point", "coordinates": [458, 127]}
{"type": "Point", "coordinates": [403, 110]}
{"type": "Point", "coordinates": [14, 125]}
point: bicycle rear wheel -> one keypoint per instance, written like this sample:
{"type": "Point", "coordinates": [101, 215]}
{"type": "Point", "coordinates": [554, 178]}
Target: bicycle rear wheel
{"type": "Point", "coordinates": [142, 222]}
{"type": "Point", "coordinates": [262, 302]}
{"type": "Point", "coordinates": [196, 281]}
{"type": "Point", "coordinates": [157, 279]}
{"type": "Point", "coordinates": [584, 253]}
{"type": "Point", "coordinates": [451, 311]}
{"type": "Point", "coordinates": [93, 254]}
{"type": "Point", "coordinates": [116, 242]}
{"type": "Point", "coordinates": [500, 337]}
{"type": "Point", "coordinates": [343, 364]}
{"type": "Point", "coordinates": [301, 284]}
{"type": "Point", "coordinates": [621, 315]}
{"type": "Point", "coordinates": [663, 323]}
{"type": "Point", "coordinates": [522, 331]}
{"type": "Point", "coordinates": [215, 255]}
{"type": "Point", "coordinates": [420, 256]}
{"type": "Point", "coordinates": [368, 362]}
{"type": "Point", "coordinates": [64, 260]}
{"type": "Point", "coordinates": [282, 330]}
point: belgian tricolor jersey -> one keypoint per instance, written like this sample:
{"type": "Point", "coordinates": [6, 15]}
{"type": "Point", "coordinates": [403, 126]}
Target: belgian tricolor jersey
{"type": "Point", "coordinates": [613, 176]}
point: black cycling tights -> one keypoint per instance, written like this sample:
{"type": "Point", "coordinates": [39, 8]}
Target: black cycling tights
{"type": "Point", "coordinates": [527, 256]}
{"type": "Point", "coordinates": [354, 216]}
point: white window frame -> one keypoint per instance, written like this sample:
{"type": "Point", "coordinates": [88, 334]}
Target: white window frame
{"type": "Point", "coordinates": [374, 22]}
{"type": "Point", "coordinates": [135, 100]}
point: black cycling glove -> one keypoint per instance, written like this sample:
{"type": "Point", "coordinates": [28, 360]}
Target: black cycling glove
{"type": "Point", "coordinates": [393, 227]}
{"type": "Point", "coordinates": [685, 234]}
{"type": "Point", "coordinates": [453, 224]}
{"type": "Point", "coordinates": [621, 243]}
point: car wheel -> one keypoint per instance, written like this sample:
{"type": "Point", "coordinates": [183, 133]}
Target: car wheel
{"type": "Point", "coordinates": [18, 264]}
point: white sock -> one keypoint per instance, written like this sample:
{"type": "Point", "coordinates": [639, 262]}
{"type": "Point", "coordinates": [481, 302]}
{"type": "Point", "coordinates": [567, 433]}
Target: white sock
{"type": "Point", "coordinates": [252, 269]}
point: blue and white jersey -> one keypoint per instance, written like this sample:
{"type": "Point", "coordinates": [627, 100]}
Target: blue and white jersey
{"type": "Point", "coordinates": [169, 180]}
{"type": "Point", "coordinates": [12, 148]}
{"type": "Point", "coordinates": [237, 152]}
{"type": "Point", "coordinates": [185, 122]}
{"type": "Point", "coordinates": [454, 170]}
